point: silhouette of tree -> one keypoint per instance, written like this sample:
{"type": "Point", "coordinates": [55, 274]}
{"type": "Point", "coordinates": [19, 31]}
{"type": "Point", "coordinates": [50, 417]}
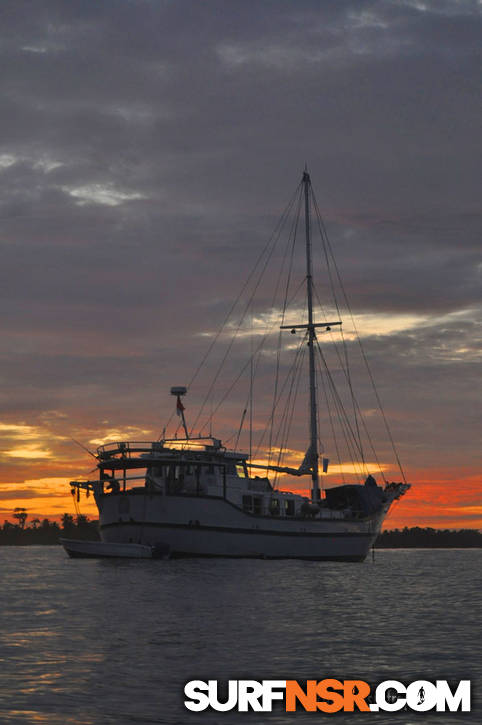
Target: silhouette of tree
{"type": "Point", "coordinates": [429, 538]}
{"type": "Point", "coordinates": [35, 523]}
{"type": "Point", "coordinates": [21, 515]}
{"type": "Point", "coordinates": [67, 523]}
{"type": "Point", "coordinates": [67, 520]}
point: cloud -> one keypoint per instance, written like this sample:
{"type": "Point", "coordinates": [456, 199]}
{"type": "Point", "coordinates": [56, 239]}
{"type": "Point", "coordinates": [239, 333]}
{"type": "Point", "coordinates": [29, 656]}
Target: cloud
{"type": "Point", "coordinates": [32, 451]}
{"type": "Point", "coordinates": [125, 434]}
{"type": "Point", "coordinates": [101, 194]}
{"type": "Point", "coordinates": [27, 493]}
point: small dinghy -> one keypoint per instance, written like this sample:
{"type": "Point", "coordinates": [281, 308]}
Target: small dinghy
{"type": "Point", "coordinates": [97, 549]}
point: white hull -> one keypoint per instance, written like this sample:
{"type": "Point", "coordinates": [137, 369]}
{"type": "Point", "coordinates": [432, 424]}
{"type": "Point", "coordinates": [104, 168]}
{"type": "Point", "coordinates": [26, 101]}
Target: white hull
{"type": "Point", "coordinates": [209, 526]}
{"type": "Point", "coordinates": [98, 549]}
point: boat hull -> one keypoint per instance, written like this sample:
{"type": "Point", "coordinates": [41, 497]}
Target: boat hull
{"type": "Point", "coordinates": [189, 526]}
{"type": "Point", "coordinates": [78, 549]}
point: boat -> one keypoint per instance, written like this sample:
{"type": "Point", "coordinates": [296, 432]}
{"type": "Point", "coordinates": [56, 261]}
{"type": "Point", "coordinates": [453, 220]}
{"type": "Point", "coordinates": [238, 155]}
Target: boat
{"type": "Point", "coordinates": [193, 496]}
{"type": "Point", "coordinates": [80, 549]}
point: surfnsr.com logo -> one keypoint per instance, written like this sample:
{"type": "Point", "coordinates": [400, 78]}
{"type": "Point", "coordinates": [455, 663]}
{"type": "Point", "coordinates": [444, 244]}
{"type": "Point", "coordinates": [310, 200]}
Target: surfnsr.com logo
{"type": "Point", "coordinates": [328, 695]}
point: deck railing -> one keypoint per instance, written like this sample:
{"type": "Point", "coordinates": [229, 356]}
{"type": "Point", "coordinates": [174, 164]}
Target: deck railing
{"type": "Point", "coordinates": [128, 448]}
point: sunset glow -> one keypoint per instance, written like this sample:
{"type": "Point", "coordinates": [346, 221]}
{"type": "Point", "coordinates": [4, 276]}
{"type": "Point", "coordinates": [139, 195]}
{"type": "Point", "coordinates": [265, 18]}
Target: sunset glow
{"type": "Point", "coordinates": [441, 499]}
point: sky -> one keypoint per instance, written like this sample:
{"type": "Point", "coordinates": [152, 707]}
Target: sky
{"type": "Point", "coordinates": [147, 150]}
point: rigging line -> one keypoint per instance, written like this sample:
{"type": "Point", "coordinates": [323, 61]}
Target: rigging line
{"type": "Point", "coordinates": [281, 433]}
{"type": "Point", "coordinates": [372, 446]}
{"type": "Point", "coordinates": [268, 257]}
{"type": "Point", "coordinates": [293, 297]}
{"type": "Point", "coordinates": [366, 430]}
{"type": "Point", "coordinates": [337, 396]}
{"type": "Point", "coordinates": [287, 378]}
{"type": "Point", "coordinates": [351, 454]}
{"type": "Point", "coordinates": [251, 383]}
{"type": "Point", "coordinates": [287, 418]}
{"type": "Point", "coordinates": [76, 505]}
{"type": "Point", "coordinates": [239, 431]}
{"type": "Point", "coordinates": [365, 359]}
{"type": "Point", "coordinates": [279, 225]}
{"type": "Point", "coordinates": [245, 410]}
{"type": "Point", "coordinates": [352, 394]}
{"type": "Point", "coordinates": [370, 440]}
{"type": "Point", "coordinates": [324, 241]}
{"type": "Point", "coordinates": [356, 404]}
{"type": "Point", "coordinates": [81, 445]}
{"type": "Point", "coordinates": [346, 370]}
{"type": "Point", "coordinates": [257, 353]}
{"type": "Point", "coordinates": [276, 231]}
{"type": "Point", "coordinates": [273, 303]}
{"type": "Point", "coordinates": [289, 413]}
{"type": "Point", "coordinates": [246, 405]}
{"type": "Point", "coordinates": [238, 376]}
{"type": "Point", "coordinates": [321, 446]}
{"type": "Point", "coordinates": [291, 236]}
{"type": "Point", "coordinates": [345, 367]}
{"type": "Point", "coordinates": [278, 351]}
{"type": "Point", "coordinates": [332, 425]}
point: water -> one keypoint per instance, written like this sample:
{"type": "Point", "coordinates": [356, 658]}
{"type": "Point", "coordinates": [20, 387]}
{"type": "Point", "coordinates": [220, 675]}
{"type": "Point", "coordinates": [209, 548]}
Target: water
{"type": "Point", "coordinates": [86, 642]}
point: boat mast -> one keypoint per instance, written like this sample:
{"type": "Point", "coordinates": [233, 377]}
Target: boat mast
{"type": "Point", "coordinates": [315, 489]}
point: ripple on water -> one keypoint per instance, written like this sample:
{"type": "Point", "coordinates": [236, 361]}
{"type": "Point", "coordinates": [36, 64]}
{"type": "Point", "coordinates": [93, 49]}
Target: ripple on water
{"type": "Point", "coordinates": [84, 642]}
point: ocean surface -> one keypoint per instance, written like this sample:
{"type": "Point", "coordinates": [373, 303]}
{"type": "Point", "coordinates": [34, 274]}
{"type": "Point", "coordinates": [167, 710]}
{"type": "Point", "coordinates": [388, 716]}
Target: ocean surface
{"type": "Point", "coordinates": [109, 641]}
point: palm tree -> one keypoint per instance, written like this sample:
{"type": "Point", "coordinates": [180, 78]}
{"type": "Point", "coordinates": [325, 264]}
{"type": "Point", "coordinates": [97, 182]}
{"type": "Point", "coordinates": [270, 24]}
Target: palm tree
{"type": "Point", "coordinates": [67, 521]}
{"type": "Point", "coordinates": [21, 515]}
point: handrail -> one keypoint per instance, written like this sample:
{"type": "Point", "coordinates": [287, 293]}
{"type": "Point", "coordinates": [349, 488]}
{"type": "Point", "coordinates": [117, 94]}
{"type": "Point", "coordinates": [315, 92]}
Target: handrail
{"type": "Point", "coordinates": [157, 445]}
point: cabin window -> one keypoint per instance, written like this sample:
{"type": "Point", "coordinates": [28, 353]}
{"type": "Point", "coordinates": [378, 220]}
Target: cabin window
{"type": "Point", "coordinates": [240, 470]}
{"type": "Point", "coordinates": [257, 505]}
{"type": "Point", "coordinates": [274, 507]}
{"type": "Point", "coordinates": [210, 470]}
{"type": "Point", "coordinates": [289, 507]}
{"type": "Point", "coordinates": [248, 504]}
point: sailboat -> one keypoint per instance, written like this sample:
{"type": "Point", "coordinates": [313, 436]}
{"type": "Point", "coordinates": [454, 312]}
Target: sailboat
{"type": "Point", "coordinates": [193, 496]}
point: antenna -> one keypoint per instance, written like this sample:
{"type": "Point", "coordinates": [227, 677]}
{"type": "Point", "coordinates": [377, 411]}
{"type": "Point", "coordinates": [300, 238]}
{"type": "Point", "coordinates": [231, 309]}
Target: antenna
{"type": "Point", "coordinates": [179, 391]}
{"type": "Point", "coordinates": [81, 445]}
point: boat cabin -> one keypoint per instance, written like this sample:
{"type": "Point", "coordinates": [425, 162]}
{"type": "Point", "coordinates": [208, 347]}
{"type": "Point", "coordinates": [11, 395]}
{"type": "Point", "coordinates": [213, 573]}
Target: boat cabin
{"type": "Point", "coordinates": [193, 467]}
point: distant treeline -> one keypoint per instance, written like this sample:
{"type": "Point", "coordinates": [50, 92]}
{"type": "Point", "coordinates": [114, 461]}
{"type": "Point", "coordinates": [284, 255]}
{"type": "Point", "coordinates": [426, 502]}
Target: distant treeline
{"type": "Point", "coordinates": [429, 539]}
{"type": "Point", "coordinates": [45, 531]}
